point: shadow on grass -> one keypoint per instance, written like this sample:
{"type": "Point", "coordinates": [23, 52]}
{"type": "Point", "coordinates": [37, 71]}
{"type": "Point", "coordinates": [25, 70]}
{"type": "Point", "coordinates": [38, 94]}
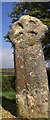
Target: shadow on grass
{"type": "Point", "coordinates": [9, 105]}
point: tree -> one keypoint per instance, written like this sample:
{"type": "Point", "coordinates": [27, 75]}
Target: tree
{"type": "Point", "coordinates": [40, 10]}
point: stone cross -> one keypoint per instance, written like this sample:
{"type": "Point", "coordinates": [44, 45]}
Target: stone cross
{"type": "Point", "coordinates": [31, 78]}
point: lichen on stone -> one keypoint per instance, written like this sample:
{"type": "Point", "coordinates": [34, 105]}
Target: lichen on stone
{"type": "Point", "coordinates": [26, 34]}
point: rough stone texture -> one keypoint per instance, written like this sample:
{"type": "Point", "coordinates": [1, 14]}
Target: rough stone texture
{"type": "Point", "coordinates": [31, 78]}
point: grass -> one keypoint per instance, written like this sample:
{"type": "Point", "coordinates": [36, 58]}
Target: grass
{"type": "Point", "coordinates": [8, 86]}
{"type": "Point", "coordinates": [9, 94]}
{"type": "Point", "coordinates": [8, 83]}
{"type": "Point", "coordinates": [7, 71]}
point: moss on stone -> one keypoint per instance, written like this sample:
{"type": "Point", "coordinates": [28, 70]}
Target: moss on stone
{"type": "Point", "coordinates": [31, 41]}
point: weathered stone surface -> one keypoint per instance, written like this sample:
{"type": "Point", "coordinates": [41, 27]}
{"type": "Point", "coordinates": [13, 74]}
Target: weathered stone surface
{"type": "Point", "coordinates": [31, 78]}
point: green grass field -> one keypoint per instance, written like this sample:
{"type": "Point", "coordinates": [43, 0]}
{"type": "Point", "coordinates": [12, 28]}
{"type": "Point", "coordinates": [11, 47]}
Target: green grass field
{"type": "Point", "coordinates": [8, 93]}
{"type": "Point", "coordinates": [8, 86]}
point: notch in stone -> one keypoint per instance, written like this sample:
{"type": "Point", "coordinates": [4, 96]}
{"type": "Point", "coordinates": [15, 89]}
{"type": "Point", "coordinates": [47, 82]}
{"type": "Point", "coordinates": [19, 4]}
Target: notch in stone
{"type": "Point", "coordinates": [32, 21]}
{"type": "Point", "coordinates": [33, 32]}
{"type": "Point", "coordinates": [20, 25]}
